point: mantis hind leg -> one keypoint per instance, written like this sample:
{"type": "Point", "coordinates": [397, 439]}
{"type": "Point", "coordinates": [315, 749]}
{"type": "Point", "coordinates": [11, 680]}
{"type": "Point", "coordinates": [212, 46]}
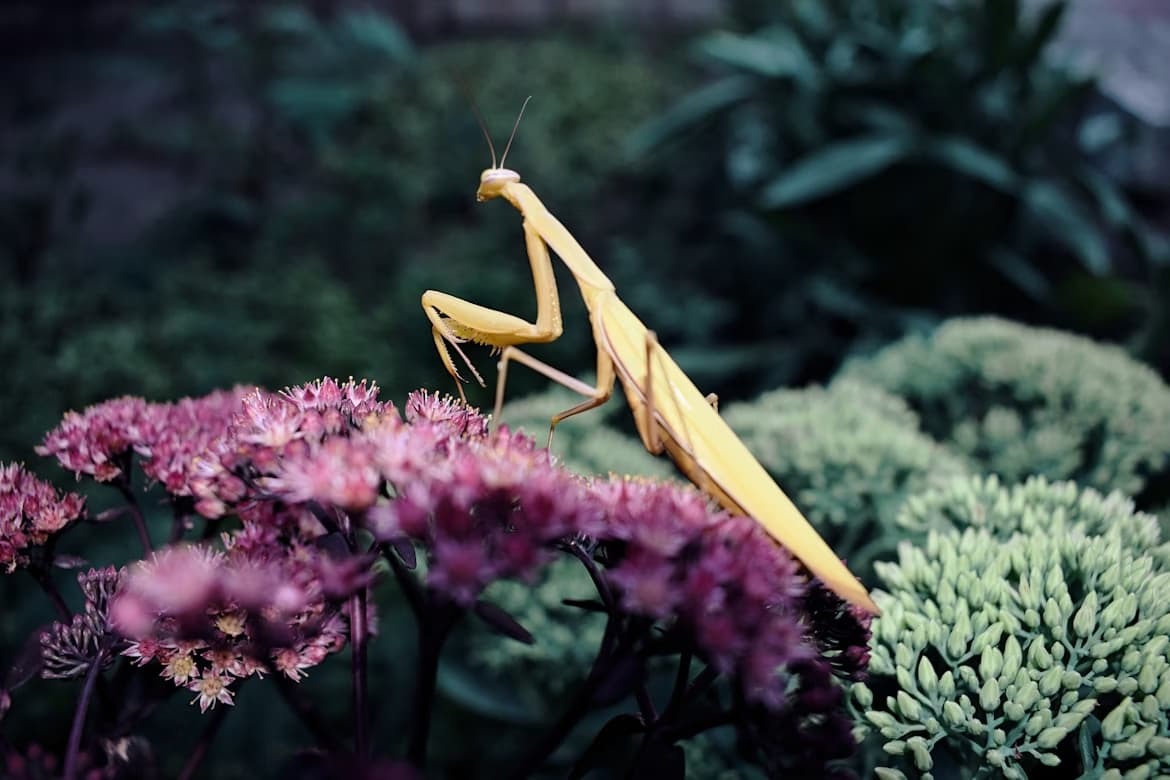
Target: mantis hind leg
{"type": "Point", "coordinates": [595, 395]}
{"type": "Point", "coordinates": [651, 431]}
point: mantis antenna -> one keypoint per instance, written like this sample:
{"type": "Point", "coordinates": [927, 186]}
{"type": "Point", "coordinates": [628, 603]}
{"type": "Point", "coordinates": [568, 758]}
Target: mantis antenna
{"type": "Point", "coordinates": [459, 81]}
{"type": "Point", "coordinates": [514, 127]}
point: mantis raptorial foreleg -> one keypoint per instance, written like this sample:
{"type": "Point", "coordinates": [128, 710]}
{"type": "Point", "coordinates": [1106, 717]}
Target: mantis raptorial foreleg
{"type": "Point", "coordinates": [455, 320]}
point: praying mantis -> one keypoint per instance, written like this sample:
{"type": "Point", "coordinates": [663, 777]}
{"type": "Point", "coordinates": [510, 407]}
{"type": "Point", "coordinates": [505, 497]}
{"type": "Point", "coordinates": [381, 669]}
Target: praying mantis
{"type": "Point", "coordinates": [671, 414]}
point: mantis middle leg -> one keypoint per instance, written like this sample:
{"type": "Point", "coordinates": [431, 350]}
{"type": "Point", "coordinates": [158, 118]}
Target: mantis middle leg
{"type": "Point", "coordinates": [595, 395]}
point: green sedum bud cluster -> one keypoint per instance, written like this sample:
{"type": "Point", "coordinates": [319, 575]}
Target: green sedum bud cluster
{"type": "Point", "coordinates": [1034, 506]}
{"type": "Point", "coordinates": [1019, 400]}
{"type": "Point", "coordinates": [1006, 647]}
{"type": "Point", "coordinates": [848, 455]}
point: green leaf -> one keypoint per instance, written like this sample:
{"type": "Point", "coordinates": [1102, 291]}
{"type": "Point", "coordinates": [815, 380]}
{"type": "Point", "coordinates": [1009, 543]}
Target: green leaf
{"type": "Point", "coordinates": [834, 168]}
{"type": "Point", "coordinates": [972, 160]}
{"type": "Point", "coordinates": [780, 54]}
{"type": "Point", "coordinates": [1042, 34]}
{"type": "Point", "coordinates": [1021, 273]}
{"type": "Point", "coordinates": [485, 696]}
{"type": "Point", "coordinates": [697, 107]}
{"type": "Point", "coordinates": [1068, 224]}
{"type": "Point", "coordinates": [1109, 199]}
{"type": "Point", "coordinates": [376, 32]}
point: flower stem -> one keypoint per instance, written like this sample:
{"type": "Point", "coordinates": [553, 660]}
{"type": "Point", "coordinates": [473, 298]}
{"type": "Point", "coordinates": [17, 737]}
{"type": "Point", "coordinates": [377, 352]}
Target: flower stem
{"type": "Point", "coordinates": [136, 513]}
{"type": "Point", "coordinates": [551, 739]}
{"type": "Point", "coordinates": [432, 633]}
{"type": "Point", "coordinates": [73, 752]}
{"type": "Point", "coordinates": [191, 765]}
{"type": "Point", "coordinates": [304, 710]}
{"type": "Point", "coordinates": [180, 519]}
{"type": "Point", "coordinates": [603, 667]}
{"type": "Point", "coordinates": [410, 587]}
{"type": "Point", "coordinates": [41, 574]}
{"type": "Point", "coordinates": [358, 636]}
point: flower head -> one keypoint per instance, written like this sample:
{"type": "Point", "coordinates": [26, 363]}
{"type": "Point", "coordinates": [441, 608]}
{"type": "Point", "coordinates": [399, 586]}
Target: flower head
{"type": "Point", "coordinates": [68, 649]}
{"type": "Point", "coordinates": [484, 506]}
{"type": "Point", "coordinates": [208, 617]}
{"type": "Point", "coordinates": [91, 442]}
{"type": "Point", "coordinates": [178, 433]}
{"type": "Point", "coordinates": [31, 511]}
{"type": "Point", "coordinates": [462, 420]}
{"type": "Point", "coordinates": [735, 590]}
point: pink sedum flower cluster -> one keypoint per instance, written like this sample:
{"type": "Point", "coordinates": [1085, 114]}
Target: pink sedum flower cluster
{"type": "Point", "coordinates": [176, 434]}
{"type": "Point", "coordinates": [735, 590]}
{"type": "Point", "coordinates": [302, 445]}
{"type": "Point", "coordinates": [92, 442]}
{"type": "Point", "coordinates": [485, 507]}
{"type": "Point", "coordinates": [327, 460]}
{"type": "Point", "coordinates": [210, 618]}
{"type": "Point", "coordinates": [31, 511]}
{"type": "Point", "coordinates": [167, 437]}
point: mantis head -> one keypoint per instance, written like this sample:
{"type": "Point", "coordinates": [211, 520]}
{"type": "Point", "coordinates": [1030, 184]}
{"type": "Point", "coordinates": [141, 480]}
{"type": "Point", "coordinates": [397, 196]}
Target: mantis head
{"type": "Point", "coordinates": [493, 179]}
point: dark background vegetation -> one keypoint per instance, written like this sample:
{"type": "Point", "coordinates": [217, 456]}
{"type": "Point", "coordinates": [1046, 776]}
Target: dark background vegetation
{"type": "Point", "coordinates": [199, 194]}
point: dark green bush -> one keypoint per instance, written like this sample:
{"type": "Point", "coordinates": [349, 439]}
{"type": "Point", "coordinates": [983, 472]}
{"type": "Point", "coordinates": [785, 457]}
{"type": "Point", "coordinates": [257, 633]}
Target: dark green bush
{"type": "Point", "coordinates": [853, 166]}
{"type": "Point", "coordinates": [330, 170]}
{"type": "Point", "coordinates": [848, 455]}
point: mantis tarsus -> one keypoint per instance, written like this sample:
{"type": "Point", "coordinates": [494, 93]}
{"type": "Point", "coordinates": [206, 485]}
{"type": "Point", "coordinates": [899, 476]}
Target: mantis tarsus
{"type": "Point", "coordinates": [670, 413]}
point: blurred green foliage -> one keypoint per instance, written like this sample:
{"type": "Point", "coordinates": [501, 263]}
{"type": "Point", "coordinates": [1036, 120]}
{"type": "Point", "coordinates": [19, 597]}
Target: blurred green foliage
{"type": "Point", "coordinates": [1019, 400]}
{"type": "Point", "coordinates": [327, 146]}
{"type": "Point", "coordinates": [332, 170]}
{"type": "Point", "coordinates": [848, 455]}
{"type": "Point", "coordinates": [856, 166]}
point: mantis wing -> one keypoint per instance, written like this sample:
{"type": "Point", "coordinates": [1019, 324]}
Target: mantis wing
{"type": "Point", "coordinates": [706, 448]}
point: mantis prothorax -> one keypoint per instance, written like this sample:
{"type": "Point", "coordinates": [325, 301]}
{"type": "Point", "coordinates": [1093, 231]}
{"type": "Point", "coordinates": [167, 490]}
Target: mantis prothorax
{"type": "Point", "coordinates": [670, 413]}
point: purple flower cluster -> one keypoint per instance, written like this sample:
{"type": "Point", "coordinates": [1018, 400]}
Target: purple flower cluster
{"type": "Point", "coordinates": [36, 763]}
{"type": "Point", "coordinates": [175, 434]}
{"type": "Point", "coordinates": [209, 618]}
{"type": "Point", "coordinates": [31, 511]}
{"type": "Point", "coordinates": [305, 444]}
{"type": "Point", "coordinates": [730, 585]}
{"type": "Point", "coordinates": [68, 649]}
{"type": "Point", "coordinates": [93, 441]}
{"type": "Point", "coordinates": [167, 437]}
{"type": "Point", "coordinates": [484, 506]}
{"type": "Point", "coordinates": [328, 459]}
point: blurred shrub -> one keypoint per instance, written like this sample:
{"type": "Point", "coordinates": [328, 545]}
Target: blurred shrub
{"type": "Point", "coordinates": [1019, 400]}
{"type": "Point", "coordinates": [303, 141]}
{"type": "Point", "coordinates": [1010, 646]}
{"type": "Point", "coordinates": [830, 173]}
{"type": "Point", "coordinates": [186, 331]}
{"type": "Point", "coordinates": [536, 678]}
{"type": "Point", "coordinates": [848, 455]}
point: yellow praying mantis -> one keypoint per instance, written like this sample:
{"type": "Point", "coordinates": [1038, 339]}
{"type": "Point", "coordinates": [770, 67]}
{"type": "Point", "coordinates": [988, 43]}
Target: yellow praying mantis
{"type": "Point", "coordinates": [670, 413]}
